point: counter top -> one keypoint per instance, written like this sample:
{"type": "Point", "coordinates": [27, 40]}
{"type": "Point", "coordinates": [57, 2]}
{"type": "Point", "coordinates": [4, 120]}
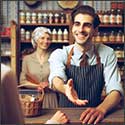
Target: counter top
{"type": "Point", "coordinates": [116, 116]}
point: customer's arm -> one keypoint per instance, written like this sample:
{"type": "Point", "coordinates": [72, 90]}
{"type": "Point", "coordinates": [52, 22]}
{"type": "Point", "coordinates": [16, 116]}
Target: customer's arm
{"type": "Point", "coordinates": [58, 118]}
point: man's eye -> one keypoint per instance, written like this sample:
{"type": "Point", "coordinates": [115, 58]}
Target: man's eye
{"type": "Point", "coordinates": [88, 24]}
{"type": "Point", "coordinates": [76, 24]}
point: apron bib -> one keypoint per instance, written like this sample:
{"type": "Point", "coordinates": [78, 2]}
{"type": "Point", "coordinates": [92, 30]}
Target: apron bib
{"type": "Point", "coordinates": [88, 81]}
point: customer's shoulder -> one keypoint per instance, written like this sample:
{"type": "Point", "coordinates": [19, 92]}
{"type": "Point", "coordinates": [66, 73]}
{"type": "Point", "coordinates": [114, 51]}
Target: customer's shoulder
{"type": "Point", "coordinates": [5, 70]}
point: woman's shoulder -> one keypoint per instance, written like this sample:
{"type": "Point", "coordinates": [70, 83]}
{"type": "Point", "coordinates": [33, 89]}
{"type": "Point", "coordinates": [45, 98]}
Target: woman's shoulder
{"type": "Point", "coordinates": [29, 56]}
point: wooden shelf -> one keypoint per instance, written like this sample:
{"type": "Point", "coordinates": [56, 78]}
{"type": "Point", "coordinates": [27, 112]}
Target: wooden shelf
{"type": "Point", "coordinates": [29, 41]}
{"type": "Point", "coordinates": [121, 60]}
{"type": "Point", "coordinates": [111, 25]}
{"type": "Point", "coordinates": [47, 24]}
{"type": "Point", "coordinates": [115, 43]}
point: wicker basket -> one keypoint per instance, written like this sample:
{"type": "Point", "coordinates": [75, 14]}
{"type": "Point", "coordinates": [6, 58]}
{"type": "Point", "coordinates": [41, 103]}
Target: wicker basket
{"type": "Point", "coordinates": [31, 104]}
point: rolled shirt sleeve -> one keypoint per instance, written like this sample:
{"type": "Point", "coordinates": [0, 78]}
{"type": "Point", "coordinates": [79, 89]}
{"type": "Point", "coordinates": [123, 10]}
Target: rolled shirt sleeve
{"type": "Point", "coordinates": [57, 62]}
{"type": "Point", "coordinates": [112, 74]}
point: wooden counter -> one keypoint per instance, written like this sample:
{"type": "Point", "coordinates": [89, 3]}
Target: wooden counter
{"type": "Point", "coordinates": [116, 116]}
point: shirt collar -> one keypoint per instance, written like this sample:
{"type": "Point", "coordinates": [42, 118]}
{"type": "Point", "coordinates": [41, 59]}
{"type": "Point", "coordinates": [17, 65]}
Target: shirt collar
{"type": "Point", "coordinates": [78, 53]}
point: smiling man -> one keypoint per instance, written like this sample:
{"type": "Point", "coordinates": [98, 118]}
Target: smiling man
{"type": "Point", "coordinates": [81, 84]}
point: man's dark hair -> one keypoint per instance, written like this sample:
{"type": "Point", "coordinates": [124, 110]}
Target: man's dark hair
{"type": "Point", "coordinates": [85, 9]}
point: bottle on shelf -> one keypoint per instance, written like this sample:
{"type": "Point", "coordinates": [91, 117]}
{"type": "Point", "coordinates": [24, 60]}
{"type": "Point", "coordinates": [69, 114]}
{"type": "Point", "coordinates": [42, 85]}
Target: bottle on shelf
{"type": "Point", "coordinates": [28, 17]}
{"type": "Point", "coordinates": [65, 35]}
{"type": "Point", "coordinates": [27, 36]}
{"type": "Point", "coordinates": [22, 17]}
{"type": "Point", "coordinates": [39, 17]}
{"type": "Point", "coordinates": [112, 17]}
{"type": "Point", "coordinates": [119, 36]}
{"type": "Point", "coordinates": [62, 18]}
{"type": "Point", "coordinates": [105, 37]}
{"type": "Point", "coordinates": [22, 33]}
{"type": "Point", "coordinates": [119, 52]}
{"type": "Point", "coordinates": [106, 17]}
{"type": "Point", "coordinates": [98, 37]}
{"type": "Point", "coordinates": [56, 18]}
{"type": "Point", "coordinates": [54, 35]}
{"type": "Point", "coordinates": [60, 35]}
{"type": "Point", "coordinates": [100, 14]}
{"type": "Point", "coordinates": [45, 18]}
{"type": "Point", "coordinates": [34, 18]}
{"type": "Point", "coordinates": [112, 36]}
{"type": "Point", "coordinates": [50, 16]}
{"type": "Point", "coordinates": [119, 17]}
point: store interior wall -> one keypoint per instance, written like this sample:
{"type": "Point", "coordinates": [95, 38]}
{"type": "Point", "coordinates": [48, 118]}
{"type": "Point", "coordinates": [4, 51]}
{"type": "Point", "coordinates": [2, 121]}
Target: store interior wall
{"type": "Point", "coordinates": [10, 8]}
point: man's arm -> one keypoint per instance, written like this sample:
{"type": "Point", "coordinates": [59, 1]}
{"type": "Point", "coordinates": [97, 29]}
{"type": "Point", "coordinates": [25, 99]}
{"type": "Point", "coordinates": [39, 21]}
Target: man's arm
{"type": "Point", "coordinates": [111, 100]}
{"type": "Point", "coordinates": [95, 115]}
{"type": "Point", "coordinates": [68, 90]}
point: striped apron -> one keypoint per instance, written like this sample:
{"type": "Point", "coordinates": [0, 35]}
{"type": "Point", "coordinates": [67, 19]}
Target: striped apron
{"type": "Point", "coordinates": [88, 81]}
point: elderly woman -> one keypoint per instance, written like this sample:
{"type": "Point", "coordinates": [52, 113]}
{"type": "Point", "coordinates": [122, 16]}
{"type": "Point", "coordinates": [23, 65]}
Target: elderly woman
{"type": "Point", "coordinates": [35, 67]}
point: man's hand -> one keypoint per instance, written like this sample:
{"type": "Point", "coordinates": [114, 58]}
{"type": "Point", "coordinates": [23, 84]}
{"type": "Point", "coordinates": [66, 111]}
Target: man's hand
{"type": "Point", "coordinates": [72, 94]}
{"type": "Point", "coordinates": [92, 115]}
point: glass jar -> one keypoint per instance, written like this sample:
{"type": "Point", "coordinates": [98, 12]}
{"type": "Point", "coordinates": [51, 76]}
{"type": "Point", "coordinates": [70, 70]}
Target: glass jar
{"type": "Point", "coordinates": [119, 17]}
{"type": "Point", "coordinates": [39, 17]}
{"type": "Point", "coordinates": [112, 17]}
{"type": "Point", "coordinates": [56, 18]}
{"type": "Point", "coordinates": [105, 37]}
{"type": "Point", "coordinates": [54, 35]}
{"type": "Point", "coordinates": [65, 35]}
{"type": "Point", "coordinates": [119, 36]}
{"type": "Point", "coordinates": [28, 17]}
{"type": "Point", "coordinates": [98, 37]}
{"type": "Point", "coordinates": [22, 17]}
{"type": "Point", "coordinates": [34, 18]}
{"type": "Point", "coordinates": [50, 18]}
{"type": "Point", "coordinates": [112, 36]}
{"type": "Point", "coordinates": [60, 35]}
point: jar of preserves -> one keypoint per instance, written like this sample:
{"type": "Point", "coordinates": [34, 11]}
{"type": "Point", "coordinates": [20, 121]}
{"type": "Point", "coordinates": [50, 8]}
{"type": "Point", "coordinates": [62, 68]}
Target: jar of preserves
{"type": "Point", "coordinates": [28, 17]}
{"type": "Point", "coordinates": [98, 37]}
{"type": "Point", "coordinates": [105, 37]}
{"type": "Point", "coordinates": [106, 17]}
{"type": "Point", "coordinates": [112, 36]}
{"type": "Point", "coordinates": [119, 17]}
{"type": "Point", "coordinates": [119, 36]}
{"type": "Point", "coordinates": [34, 18]}
{"type": "Point", "coordinates": [22, 17]}
{"type": "Point", "coordinates": [112, 17]}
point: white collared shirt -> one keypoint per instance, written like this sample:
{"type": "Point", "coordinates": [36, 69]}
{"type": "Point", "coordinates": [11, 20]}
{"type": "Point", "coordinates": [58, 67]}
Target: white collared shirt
{"type": "Point", "coordinates": [108, 58]}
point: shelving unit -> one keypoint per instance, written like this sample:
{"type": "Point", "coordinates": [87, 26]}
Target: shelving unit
{"type": "Point", "coordinates": [118, 46]}
{"type": "Point", "coordinates": [26, 23]}
{"type": "Point", "coordinates": [8, 48]}
{"type": "Point", "coordinates": [29, 20]}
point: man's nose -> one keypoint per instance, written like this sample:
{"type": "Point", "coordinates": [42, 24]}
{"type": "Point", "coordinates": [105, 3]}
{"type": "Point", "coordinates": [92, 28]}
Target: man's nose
{"type": "Point", "coordinates": [81, 28]}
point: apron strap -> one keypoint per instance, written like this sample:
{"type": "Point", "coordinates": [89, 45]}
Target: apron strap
{"type": "Point", "coordinates": [98, 57]}
{"type": "Point", "coordinates": [69, 57]}
{"type": "Point", "coordinates": [68, 63]}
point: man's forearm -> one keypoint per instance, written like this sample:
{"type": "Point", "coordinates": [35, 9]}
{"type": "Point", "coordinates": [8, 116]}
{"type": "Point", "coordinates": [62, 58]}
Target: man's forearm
{"type": "Point", "coordinates": [110, 101]}
{"type": "Point", "coordinates": [59, 85]}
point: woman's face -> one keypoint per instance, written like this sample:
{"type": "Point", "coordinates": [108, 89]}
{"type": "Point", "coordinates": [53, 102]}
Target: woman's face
{"type": "Point", "coordinates": [82, 28]}
{"type": "Point", "coordinates": [44, 41]}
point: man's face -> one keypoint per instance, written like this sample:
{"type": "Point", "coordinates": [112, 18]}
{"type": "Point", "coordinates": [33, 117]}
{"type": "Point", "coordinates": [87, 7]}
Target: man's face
{"type": "Point", "coordinates": [83, 28]}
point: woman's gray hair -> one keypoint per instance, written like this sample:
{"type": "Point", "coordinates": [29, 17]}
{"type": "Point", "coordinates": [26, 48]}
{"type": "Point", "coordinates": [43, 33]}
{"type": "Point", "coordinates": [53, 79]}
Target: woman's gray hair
{"type": "Point", "coordinates": [38, 33]}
